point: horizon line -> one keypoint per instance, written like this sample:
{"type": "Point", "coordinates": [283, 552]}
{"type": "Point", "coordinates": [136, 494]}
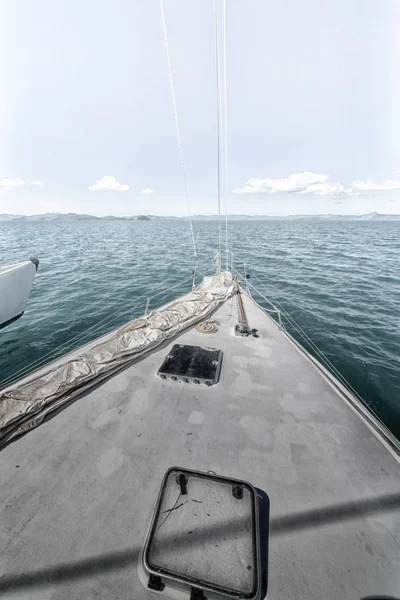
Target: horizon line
{"type": "Point", "coordinates": [127, 216]}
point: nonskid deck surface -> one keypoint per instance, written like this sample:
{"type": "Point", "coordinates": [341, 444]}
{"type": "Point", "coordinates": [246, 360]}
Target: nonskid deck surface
{"type": "Point", "coordinates": [77, 493]}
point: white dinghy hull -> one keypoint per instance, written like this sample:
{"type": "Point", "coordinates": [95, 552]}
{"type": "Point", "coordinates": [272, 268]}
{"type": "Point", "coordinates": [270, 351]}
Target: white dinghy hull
{"type": "Point", "coordinates": [15, 285]}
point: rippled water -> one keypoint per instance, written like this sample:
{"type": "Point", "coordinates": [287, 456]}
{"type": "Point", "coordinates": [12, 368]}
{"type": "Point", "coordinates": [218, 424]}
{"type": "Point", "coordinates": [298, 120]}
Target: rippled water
{"type": "Point", "coordinates": [340, 281]}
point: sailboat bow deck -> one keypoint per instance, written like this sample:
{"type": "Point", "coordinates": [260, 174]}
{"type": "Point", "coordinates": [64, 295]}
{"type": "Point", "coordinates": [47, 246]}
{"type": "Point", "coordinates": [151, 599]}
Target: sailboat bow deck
{"type": "Point", "coordinates": [78, 492]}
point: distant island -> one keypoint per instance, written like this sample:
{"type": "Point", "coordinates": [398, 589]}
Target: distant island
{"type": "Point", "coordinates": [76, 217]}
{"type": "Point", "coordinates": [82, 217]}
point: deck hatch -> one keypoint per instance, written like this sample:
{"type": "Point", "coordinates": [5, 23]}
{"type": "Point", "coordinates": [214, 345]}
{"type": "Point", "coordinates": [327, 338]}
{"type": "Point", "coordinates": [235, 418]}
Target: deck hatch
{"type": "Point", "coordinates": [192, 364]}
{"type": "Point", "coordinates": [204, 535]}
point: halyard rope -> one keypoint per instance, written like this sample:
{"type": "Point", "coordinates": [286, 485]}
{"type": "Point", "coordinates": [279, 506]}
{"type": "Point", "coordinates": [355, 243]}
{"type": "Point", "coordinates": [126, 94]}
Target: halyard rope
{"type": "Point", "coordinates": [178, 130]}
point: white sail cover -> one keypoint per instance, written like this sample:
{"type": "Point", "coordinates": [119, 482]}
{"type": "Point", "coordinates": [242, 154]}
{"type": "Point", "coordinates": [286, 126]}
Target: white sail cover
{"type": "Point", "coordinates": [24, 404]}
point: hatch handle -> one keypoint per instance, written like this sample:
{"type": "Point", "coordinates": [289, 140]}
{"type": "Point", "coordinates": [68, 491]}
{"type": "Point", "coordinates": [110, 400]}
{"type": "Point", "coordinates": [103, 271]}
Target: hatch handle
{"type": "Point", "coordinates": [182, 480]}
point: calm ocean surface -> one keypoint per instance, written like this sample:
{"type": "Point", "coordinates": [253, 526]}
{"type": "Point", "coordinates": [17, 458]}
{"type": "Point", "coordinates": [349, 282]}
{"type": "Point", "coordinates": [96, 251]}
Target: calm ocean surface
{"type": "Point", "coordinates": [340, 281]}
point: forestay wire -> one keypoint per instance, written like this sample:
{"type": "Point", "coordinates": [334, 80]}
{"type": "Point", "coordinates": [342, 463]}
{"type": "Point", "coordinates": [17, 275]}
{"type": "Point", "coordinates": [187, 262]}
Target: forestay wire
{"type": "Point", "coordinates": [222, 129]}
{"type": "Point", "coordinates": [218, 102]}
{"type": "Point", "coordinates": [226, 144]}
{"type": "Point", "coordinates": [179, 136]}
{"type": "Point", "coordinates": [222, 137]}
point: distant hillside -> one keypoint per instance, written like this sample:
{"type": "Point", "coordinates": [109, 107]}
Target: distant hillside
{"type": "Point", "coordinates": [367, 217]}
{"type": "Point", "coordinates": [72, 217]}
{"type": "Point", "coordinates": [4, 217]}
{"type": "Point", "coordinates": [79, 217]}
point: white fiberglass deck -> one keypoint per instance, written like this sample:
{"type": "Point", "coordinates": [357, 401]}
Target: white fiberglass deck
{"type": "Point", "coordinates": [77, 492]}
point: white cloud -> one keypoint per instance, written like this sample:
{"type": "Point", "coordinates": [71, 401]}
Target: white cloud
{"type": "Point", "coordinates": [7, 183]}
{"type": "Point", "coordinates": [108, 183]}
{"type": "Point", "coordinates": [376, 186]}
{"type": "Point", "coordinates": [303, 183]}
{"type": "Point", "coordinates": [147, 191]}
{"type": "Point", "coordinates": [325, 189]}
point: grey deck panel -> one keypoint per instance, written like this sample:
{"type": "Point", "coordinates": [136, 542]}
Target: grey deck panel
{"type": "Point", "coordinates": [77, 493]}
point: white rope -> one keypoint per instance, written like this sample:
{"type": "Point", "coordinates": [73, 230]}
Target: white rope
{"type": "Point", "coordinates": [194, 272]}
{"type": "Point", "coordinates": [166, 290]}
{"type": "Point", "coordinates": [177, 129]}
{"type": "Point", "coordinates": [217, 261]}
{"type": "Point", "coordinates": [218, 135]}
{"type": "Point", "coordinates": [226, 145]}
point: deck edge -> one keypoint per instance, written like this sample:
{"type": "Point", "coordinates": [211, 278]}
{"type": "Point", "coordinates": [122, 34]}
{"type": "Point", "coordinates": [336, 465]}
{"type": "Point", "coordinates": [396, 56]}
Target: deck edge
{"type": "Point", "coordinates": [378, 428]}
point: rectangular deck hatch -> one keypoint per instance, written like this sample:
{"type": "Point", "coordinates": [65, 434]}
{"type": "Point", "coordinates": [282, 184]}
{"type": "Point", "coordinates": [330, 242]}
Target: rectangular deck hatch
{"type": "Point", "coordinates": [204, 536]}
{"type": "Point", "coordinates": [192, 364]}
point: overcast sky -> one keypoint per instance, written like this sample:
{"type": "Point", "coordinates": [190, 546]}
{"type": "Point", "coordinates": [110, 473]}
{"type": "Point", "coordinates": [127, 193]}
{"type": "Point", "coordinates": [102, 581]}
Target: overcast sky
{"type": "Point", "coordinates": [87, 124]}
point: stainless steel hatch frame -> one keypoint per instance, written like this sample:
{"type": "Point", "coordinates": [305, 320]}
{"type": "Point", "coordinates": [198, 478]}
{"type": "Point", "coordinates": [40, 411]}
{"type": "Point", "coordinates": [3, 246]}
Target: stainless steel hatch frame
{"type": "Point", "coordinates": [204, 536]}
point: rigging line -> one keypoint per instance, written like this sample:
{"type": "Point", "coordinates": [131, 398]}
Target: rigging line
{"type": "Point", "coordinates": [330, 366]}
{"type": "Point", "coordinates": [303, 334]}
{"type": "Point", "coordinates": [94, 329]}
{"type": "Point", "coordinates": [226, 144]}
{"type": "Point", "coordinates": [218, 134]}
{"type": "Point", "coordinates": [177, 128]}
{"type": "Point", "coordinates": [316, 348]}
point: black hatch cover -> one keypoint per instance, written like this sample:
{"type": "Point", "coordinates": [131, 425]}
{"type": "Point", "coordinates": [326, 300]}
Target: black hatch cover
{"type": "Point", "coordinates": [192, 364]}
